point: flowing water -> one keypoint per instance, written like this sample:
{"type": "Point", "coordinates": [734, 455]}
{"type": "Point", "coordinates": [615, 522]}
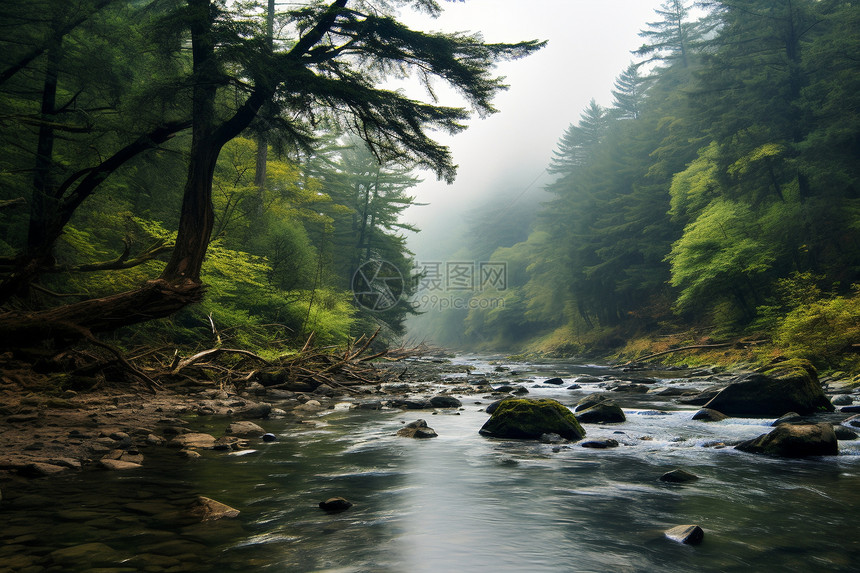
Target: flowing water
{"type": "Point", "coordinates": [459, 502]}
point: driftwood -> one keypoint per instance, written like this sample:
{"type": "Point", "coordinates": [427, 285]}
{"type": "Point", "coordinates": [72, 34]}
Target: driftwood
{"type": "Point", "coordinates": [692, 347]}
{"type": "Point", "coordinates": [310, 367]}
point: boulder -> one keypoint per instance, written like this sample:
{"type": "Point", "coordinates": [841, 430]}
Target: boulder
{"type": "Point", "coordinates": [442, 401]}
{"type": "Point", "coordinates": [673, 392]}
{"type": "Point", "coordinates": [787, 418]}
{"type": "Point", "coordinates": [606, 412]}
{"type": "Point", "coordinates": [687, 534]}
{"type": "Point", "coordinates": [708, 415]}
{"type": "Point", "coordinates": [678, 476]}
{"type": "Point", "coordinates": [528, 419]}
{"type": "Point", "coordinates": [493, 405]}
{"type": "Point", "coordinates": [551, 439]}
{"type": "Point", "coordinates": [630, 388]}
{"type": "Point", "coordinates": [590, 400]}
{"type": "Point", "coordinates": [417, 429]}
{"type": "Point", "coordinates": [554, 381]}
{"type": "Point", "coordinates": [702, 397]}
{"type": "Point", "coordinates": [850, 409]}
{"type": "Point", "coordinates": [254, 411]}
{"type": "Point", "coordinates": [245, 429]}
{"type": "Point", "coordinates": [843, 433]}
{"type": "Point", "coordinates": [790, 386]}
{"type": "Point", "coordinates": [795, 441]}
{"type": "Point", "coordinates": [842, 400]}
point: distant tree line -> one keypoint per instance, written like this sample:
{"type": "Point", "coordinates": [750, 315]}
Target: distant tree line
{"type": "Point", "coordinates": [720, 189]}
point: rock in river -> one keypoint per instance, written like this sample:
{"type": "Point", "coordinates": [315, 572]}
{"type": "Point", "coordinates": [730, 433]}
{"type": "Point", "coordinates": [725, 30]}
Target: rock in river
{"type": "Point", "coordinates": [678, 476]}
{"type": "Point", "coordinates": [207, 509]}
{"type": "Point", "coordinates": [606, 412]}
{"type": "Point", "coordinates": [795, 441]}
{"type": "Point", "coordinates": [689, 534]}
{"type": "Point", "coordinates": [709, 415]}
{"type": "Point", "coordinates": [529, 419]}
{"type": "Point", "coordinates": [590, 400]}
{"type": "Point", "coordinates": [442, 401]}
{"type": "Point", "coordinates": [335, 505]}
{"type": "Point", "coordinates": [790, 386]}
{"type": "Point", "coordinates": [245, 429]}
{"type": "Point", "coordinates": [417, 429]}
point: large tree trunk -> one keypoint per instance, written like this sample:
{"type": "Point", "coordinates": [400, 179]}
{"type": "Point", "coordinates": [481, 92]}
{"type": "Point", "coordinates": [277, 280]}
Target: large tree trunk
{"type": "Point", "coordinates": [179, 284]}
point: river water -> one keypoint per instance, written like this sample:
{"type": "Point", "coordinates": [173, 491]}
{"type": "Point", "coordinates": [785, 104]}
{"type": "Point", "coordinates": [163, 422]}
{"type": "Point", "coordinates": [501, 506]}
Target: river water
{"type": "Point", "coordinates": [459, 502]}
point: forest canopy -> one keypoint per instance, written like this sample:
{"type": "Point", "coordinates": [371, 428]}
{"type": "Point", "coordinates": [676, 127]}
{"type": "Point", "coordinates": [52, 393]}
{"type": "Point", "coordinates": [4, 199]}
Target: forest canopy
{"type": "Point", "coordinates": [717, 194]}
{"type": "Point", "coordinates": [163, 153]}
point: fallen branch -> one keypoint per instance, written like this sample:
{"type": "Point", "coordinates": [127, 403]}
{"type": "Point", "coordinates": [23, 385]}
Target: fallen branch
{"type": "Point", "coordinates": [679, 349]}
{"type": "Point", "coordinates": [212, 352]}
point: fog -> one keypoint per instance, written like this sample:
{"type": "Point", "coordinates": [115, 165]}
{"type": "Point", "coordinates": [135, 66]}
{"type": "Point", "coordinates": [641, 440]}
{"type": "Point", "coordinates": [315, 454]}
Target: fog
{"type": "Point", "coordinates": [506, 154]}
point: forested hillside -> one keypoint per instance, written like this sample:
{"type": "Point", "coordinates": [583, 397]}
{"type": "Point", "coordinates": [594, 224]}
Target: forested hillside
{"type": "Point", "coordinates": [716, 195]}
{"type": "Point", "coordinates": [195, 172]}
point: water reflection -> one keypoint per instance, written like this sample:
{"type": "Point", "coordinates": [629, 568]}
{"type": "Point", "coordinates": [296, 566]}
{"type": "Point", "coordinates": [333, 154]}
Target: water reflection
{"type": "Point", "coordinates": [459, 502]}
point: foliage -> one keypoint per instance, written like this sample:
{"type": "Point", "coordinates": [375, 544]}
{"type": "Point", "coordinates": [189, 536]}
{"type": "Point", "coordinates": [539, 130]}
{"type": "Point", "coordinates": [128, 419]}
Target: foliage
{"type": "Point", "coordinates": [719, 193]}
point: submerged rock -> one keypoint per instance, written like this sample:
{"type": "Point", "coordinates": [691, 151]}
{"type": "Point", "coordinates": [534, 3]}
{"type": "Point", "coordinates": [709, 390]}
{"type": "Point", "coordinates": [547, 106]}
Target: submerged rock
{"type": "Point", "coordinates": [687, 534]}
{"type": "Point", "coordinates": [207, 509]}
{"type": "Point", "coordinates": [606, 412]}
{"type": "Point", "coordinates": [118, 464]}
{"type": "Point", "coordinates": [678, 476]}
{"type": "Point", "coordinates": [795, 441]}
{"type": "Point", "coordinates": [335, 504]}
{"type": "Point", "coordinates": [529, 419]}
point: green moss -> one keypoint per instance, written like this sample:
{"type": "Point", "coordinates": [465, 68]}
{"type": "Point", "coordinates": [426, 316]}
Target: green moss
{"type": "Point", "coordinates": [792, 368]}
{"type": "Point", "coordinates": [524, 418]}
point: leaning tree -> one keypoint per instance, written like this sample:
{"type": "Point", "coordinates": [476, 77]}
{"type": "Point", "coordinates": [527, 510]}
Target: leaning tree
{"type": "Point", "coordinates": [326, 66]}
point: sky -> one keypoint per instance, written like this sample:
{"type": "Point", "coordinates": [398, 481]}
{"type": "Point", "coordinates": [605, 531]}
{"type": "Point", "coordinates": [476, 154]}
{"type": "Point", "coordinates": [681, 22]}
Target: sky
{"type": "Point", "coordinates": [590, 44]}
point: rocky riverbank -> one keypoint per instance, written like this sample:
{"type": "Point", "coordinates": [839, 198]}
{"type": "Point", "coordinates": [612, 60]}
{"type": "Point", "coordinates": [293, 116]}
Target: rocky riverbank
{"type": "Point", "coordinates": [115, 426]}
{"type": "Point", "coordinates": [46, 432]}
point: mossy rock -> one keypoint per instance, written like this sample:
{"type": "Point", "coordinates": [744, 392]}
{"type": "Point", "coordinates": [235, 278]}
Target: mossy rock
{"type": "Point", "coordinates": [605, 412]}
{"type": "Point", "coordinates": [788, 386]}
{"type": "Point", "coordinates": [795, 441]}
{"type": "Point", "coordinates": [791, 368]}
{"type": "Point", "coordinates": [529, 419]}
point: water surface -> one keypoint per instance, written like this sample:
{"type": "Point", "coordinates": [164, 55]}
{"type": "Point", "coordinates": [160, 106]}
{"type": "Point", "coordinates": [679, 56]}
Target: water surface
{"type": "Point", "coordinates": [459, 502]}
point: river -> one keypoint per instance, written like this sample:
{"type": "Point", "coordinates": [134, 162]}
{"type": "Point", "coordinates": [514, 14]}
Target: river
{"type": "Point", "coordinates": [459, 502]}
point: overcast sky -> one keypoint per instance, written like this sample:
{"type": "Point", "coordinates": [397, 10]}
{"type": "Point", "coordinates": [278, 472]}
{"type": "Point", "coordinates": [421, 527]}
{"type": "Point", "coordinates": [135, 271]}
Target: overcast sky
{"type": "Point", "coordinates": [589, 45]}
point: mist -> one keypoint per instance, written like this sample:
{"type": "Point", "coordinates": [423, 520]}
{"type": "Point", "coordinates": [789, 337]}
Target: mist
{"type": "Point", "coordinates": [502, 159]}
